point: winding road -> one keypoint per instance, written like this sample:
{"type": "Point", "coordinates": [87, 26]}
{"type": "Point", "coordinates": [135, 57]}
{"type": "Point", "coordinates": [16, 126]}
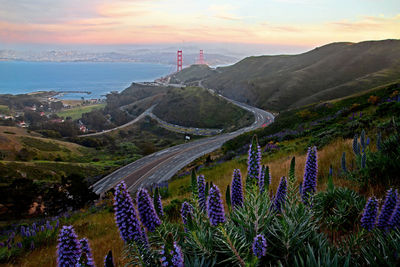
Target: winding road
{"type": "Point", "coordinates": [162, 165]}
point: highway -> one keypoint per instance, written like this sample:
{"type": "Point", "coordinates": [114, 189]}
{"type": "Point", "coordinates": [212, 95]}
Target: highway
{"type": "Point", "coordinates": [162, 165]}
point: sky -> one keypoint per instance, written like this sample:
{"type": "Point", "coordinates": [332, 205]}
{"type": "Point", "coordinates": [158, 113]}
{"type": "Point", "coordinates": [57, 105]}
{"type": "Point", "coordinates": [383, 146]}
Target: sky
{"type": "Point", "coordinates": [271, 23]}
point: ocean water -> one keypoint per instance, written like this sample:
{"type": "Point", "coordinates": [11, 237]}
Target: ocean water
{"type": "Point", "coordinates": [99, 78]}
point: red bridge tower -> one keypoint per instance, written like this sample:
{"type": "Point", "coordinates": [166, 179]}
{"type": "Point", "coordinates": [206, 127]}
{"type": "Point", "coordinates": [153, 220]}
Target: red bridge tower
{"type": "Point", "coordinates": [201, 58]}
{"type": "Point", "coordinates": [179, 61]}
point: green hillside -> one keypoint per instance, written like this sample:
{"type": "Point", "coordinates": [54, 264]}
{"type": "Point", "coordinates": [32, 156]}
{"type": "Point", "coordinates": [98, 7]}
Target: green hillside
{"type": "Point", "coordinates": [328, 72]}
{"type": "Point", "coordinates": [197, 107]}
{"type": "Point", "coordinates": [193, 73]}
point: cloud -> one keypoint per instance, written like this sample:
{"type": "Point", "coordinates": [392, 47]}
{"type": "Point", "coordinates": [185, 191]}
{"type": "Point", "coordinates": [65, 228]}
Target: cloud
{"type": "Point", "coordinates": [159, 21]}
{"type": "Point", "coordinates": [224, 12]}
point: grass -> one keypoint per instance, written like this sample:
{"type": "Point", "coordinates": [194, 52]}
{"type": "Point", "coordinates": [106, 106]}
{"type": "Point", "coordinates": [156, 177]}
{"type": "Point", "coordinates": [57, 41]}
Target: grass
{"type": "Point", "coordinates": [40, 144]}
{"type": "Point", "coordinates": [76, 112]}
{"type": "Point", "coordinates": [279, 164]}
{"type": "Point", "coordinates": [4, 110]}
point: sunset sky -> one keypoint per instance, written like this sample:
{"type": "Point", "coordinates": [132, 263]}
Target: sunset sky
{"type": "Point", "coordinates": [273, 22]}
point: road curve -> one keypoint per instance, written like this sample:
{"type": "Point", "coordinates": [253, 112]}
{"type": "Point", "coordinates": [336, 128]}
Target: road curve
{"type": "Point", "coordinates": [162, 165]}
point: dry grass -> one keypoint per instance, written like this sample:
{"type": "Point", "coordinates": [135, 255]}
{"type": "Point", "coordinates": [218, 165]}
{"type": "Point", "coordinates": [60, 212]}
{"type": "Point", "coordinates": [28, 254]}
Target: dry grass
{"type": "Point", "coordinates": [103, 235]}
{"type": "Point", "coordinates": [221, 175]}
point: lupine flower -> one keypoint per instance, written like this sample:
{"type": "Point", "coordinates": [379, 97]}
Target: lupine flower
{"type": "Point", "coordinates": [215, 209]}
{"type": "Point", "coordinates": [344, 168]}
{"type": "Point", "coordinates": [368, 141]}
{"type": "Point", "coordinates": [368, 218]}
{"type": "Point", "coordinates": [236, 189]}
{"type": "Point", "coordinates": [379, 141]}
{"type": "Point", "coordinates": [172, 257]}
{"type": "Point", "coordinates": [265, 178]}
{"type": "Point", "coordinates": [387, 209]}
{"type": "Point", "coordinates": [201, 185]}
{"type": "Point", "coordinates": [19, 245]}
{"type": "Point", "coordinates": [157, 203]}
{"type": "Point", "coordinates": [310, 175]}
{"type": "Point", "coordinates": [68, 248]}
{"type": "Point", "coordinates": [125, 215]}
{"type": "Point", "coordinates": [22, 231]}
{"type": "Point", "coordinates": [57, 223]}
{"type": "Point", "coordinates": [362, 139]}
{"type": "Point", "coordinates": [108, 260]}
{"type": "Point", "coordinates": [394, 221]}
{"type": "Point", "coordinates": [253, 163]}
{"type": "Point", "coordinates": [86, 258]}
{"type": "Point", "coordinates": [42, 228]}
{"type": "Point", "coordinates": [330, 170]}
{"type": "Point", "coordinates": [33, 232]}
{"type": "Point", "coordinates": [280, 196]}
{"type": "Point", "coordinates": [364, 160]}
{"type": "Point", "coordinates": [259, 246]}
{"type": "Point", "coordinates": [34, 226]}
{"type": "Point", "coordinates": [148, 215]}
{"type": "Point", "coordinates": [186, 212]}
{"type": "Point", "coordinates": [356, 148]}
{"type": "Point", "coordinates": [1, 244]}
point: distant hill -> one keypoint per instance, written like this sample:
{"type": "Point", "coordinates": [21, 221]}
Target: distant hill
{"type": "Point", "coordinates": [286, 81]}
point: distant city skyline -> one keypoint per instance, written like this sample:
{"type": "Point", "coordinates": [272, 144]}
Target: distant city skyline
{"type": "Point", "coordinates": [277, 25]}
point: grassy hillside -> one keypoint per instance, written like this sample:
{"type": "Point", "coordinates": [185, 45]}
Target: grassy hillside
{"type": "Point", "coordinates": [28, 155]}
{"type": "Point", "coordinates": [76, 112]}
{"type": "Point", "coordinates": [328, 72]}
{"type": "Point", "coordinates": [193, 73]}
{"type": "Point", "coordinates": [197, 107]}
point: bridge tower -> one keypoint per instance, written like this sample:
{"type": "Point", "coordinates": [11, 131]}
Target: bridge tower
{"type": "Point", "coordinates": [179, 61]}
{"type": "Point", "coordinates": [201, 58]}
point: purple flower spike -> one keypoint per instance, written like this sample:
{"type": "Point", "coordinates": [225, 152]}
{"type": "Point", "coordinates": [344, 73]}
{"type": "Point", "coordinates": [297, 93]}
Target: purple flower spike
{"type": "Point", "coordinates": [68, 248]}
{"type": "Point", "coordinates": [236, 189]}
{"type": "Point", "coordinates": [368, 218]}
{"type": "Point", "coordinates": [125, 215]}
{"type": "Point", "coordinates": [19, 245]}
{"type": "Point", "coordinates": [108, 260]}
{"type": "Point", "coordinates": [387, 209]}
{"type": "Point", "coordinates": [157, 202]}
{"type": "Point", "coordinates": [186, 212]}
{"type": "Point", "coordinates": [259, 246]}
{"type": "Point", "coordinates": [172, 258]}
{"type": "Point", "coordinates": [22, 231]}
{"type": "Point", "coordinates": [280, 196]}
{"type": "Point", "coordinates": [265, 178]}
{"type": "Point", "coordinates": [253, 163]}
{"type": "Point", "coordinates": [86, 258]}
{"type": "Point", "coordinates": [201, 185]}
{"type": "Point", "coordinates": [395, 219]}
{"type": "Point", "coordinates": [215, 208]}
{"type": "Point", "coordinates": [310, 176]}
{"type": "Point", "coordinates": [147, 213]}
